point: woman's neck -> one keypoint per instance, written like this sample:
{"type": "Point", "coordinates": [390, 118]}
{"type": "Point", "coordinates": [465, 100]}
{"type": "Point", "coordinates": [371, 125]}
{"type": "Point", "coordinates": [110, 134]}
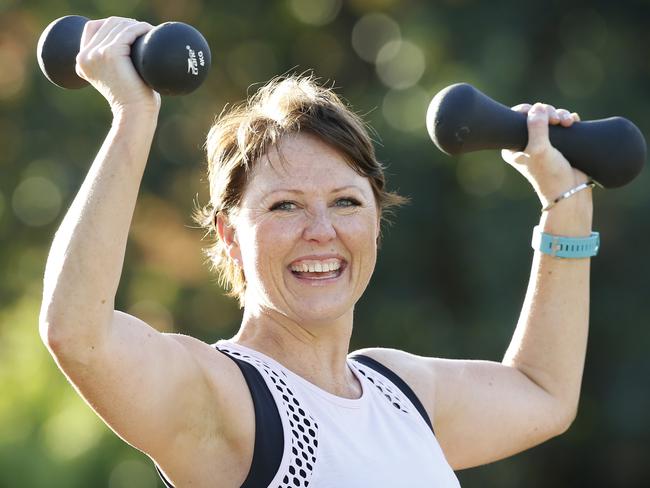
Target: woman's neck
{"type": "Point", "coordinates": [317, 352]}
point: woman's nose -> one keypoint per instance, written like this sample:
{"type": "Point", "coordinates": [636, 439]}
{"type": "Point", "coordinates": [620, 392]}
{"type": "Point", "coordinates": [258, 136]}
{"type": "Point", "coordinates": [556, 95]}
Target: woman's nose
{"type": "Point", "coordinates": [319, 226]}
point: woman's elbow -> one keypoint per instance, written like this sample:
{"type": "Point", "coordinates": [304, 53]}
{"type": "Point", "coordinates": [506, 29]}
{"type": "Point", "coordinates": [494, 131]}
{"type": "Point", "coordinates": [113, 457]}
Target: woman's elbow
{"type": "Point", "coordinates": [563, 419]}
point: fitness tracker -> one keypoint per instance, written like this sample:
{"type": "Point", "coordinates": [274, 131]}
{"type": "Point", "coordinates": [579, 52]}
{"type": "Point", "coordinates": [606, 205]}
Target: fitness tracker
{"type": "Point", "coordinates": [565, 247]}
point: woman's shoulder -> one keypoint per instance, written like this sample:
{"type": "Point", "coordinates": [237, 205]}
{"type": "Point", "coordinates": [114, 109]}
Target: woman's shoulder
{"type": "Point", "coordinates": [390, 357]}
{"type": "Point", "coordinates": [416, 371]}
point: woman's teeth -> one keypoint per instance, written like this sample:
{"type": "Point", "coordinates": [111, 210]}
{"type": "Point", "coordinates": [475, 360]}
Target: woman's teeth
{"type": "Point", "coordinates": [316, 266]}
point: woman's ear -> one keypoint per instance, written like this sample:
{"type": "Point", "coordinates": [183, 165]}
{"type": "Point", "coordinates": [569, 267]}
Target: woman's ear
{"type": "Point", "coordinates": [228, 236]}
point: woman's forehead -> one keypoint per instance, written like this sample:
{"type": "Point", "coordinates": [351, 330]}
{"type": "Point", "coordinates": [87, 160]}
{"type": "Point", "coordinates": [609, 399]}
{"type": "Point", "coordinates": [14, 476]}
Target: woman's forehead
{"type": "Point", "coordinates": [303, 161]}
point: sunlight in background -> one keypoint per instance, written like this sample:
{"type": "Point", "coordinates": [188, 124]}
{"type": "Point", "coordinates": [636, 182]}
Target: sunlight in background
{"type": "Point", "coordinates": [36, 201]}
{"type": "Point", "coordinates": [72, 430]}
{"type": "Point", "coordinates": [405, 110]}
{"type": "Point", "coordinates": [480, 173]}
{"type": "Point", "coordinates": [578, 73]}
{"type": "Point", "coordinates": [400, 64]}
{"type": "Point", "coordinates": [371, 32]}
{"type": "Point", "coordinates": [315, 12]}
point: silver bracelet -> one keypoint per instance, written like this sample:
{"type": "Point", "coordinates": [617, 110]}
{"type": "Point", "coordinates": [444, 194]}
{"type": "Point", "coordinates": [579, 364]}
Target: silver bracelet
{"type": "Point", "coordinates": [587, 184]}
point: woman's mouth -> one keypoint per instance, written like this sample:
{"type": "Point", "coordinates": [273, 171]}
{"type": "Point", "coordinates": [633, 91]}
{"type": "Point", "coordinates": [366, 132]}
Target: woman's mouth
{"type": "Point", "coordinates": [318, 269]}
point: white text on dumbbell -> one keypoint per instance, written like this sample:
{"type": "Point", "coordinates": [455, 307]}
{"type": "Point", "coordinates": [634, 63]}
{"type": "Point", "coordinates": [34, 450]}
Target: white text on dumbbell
{"type": "Point", "coordinates": [192, 63]}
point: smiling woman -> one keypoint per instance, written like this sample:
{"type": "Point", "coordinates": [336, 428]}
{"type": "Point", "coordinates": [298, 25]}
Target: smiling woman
{"type": "Point", "coordinates": [253, 131]}
{"type": "Point", "coordinates": [297, 198]}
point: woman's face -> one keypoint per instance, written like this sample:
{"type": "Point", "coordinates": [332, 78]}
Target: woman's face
{"type": "Point", "coordinates": [306, 232]}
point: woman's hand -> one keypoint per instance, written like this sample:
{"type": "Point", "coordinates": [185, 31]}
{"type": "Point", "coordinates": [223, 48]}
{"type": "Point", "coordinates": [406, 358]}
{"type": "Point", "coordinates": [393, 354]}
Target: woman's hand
{"type": "Point", "coordinates": [104, 61]}
{"type": "Point", "coordinates": [542, 165]}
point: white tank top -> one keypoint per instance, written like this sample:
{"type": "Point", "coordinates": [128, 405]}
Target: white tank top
{"type": "Point", "coordinates": [378, 440]}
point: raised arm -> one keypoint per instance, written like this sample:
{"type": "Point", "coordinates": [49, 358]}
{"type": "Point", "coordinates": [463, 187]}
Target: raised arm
{"type": "Point", "coordinates": [482, 410]}
{"type": "Point", "coordinates": [500, 409]}
{"type": "Point", "coordinates": [85, 262]}
{"type": "Point", "coordinates": [150, 388]}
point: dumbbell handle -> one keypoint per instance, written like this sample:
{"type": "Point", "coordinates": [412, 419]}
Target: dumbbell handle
{"type": "Point", "coordinates": [461, 119]}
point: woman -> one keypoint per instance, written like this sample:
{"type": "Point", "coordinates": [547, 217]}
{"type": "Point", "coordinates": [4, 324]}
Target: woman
{"type": "Point", "coordinates": [296, 202]}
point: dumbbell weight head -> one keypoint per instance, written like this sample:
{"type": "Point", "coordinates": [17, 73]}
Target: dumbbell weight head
{"type": "Point", "coordinates": [57, 51]}
{"type": "Point", "coordinates": [173, 58]}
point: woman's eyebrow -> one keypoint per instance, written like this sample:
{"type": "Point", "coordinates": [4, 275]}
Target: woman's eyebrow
{"type": "Point", "coordinates": [300, 192]}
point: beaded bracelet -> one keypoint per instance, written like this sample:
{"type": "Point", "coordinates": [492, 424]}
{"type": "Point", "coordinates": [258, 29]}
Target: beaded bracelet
{"type": "Point", "coordinates": [587, 184]}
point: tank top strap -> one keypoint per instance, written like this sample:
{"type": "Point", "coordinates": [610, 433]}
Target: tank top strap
{"type": "Point", "coordinates": [395, 379]}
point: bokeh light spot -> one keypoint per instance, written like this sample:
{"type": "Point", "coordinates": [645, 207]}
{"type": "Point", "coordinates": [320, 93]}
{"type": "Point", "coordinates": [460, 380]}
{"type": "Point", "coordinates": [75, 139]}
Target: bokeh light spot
{"type": "Point", "coordinates": [478, 174]}
{"type": "Point", "coordinates": [36, 201]}
{"type": "Point", "coordinates": [51, 170]}
{"type": "Point", "coordinates": [579, 73]}
{"type": "Point", "coordinates": [371, 33]}
{"type": "Point", "coordinates": [405, 110]}
{"type": "Point", "coordinates": [315, 12]}
{"type": "Point", "coordinates": [400, 64]}
{"type": "Point", "coordinates": [73, 430]}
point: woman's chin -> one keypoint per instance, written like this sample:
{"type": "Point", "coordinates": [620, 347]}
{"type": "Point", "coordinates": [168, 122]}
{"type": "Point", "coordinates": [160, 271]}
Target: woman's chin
{"type": "Point", "coordinates": [319, 309]}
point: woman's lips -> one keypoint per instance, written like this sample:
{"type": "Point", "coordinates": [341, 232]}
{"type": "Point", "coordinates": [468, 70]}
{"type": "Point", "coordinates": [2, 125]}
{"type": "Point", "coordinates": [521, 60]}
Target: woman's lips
{"type": "Point", "coordinates": [318, 269]}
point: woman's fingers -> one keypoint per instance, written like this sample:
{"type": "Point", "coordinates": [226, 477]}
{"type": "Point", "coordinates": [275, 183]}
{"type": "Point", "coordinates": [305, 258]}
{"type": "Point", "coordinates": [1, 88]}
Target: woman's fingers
{"type": "Point", "coordinates": [539, 117]}
{"type": "Point", "coordinates": [104, 60]}
{"type": "Point", "coordinates": [94, 33]}
{"type": "Point", "coordinates": [551, 111]}
{"type": "Point", "coordinates": [124, 34]}
{"type": "Point", "coordinates": [96, 30]}
{"type": "Point", "coordinates": [90, 29]}
{"type": "Point", "coordinates": [559, 116]}
{"type": "Point", "coordinates": [522, 107]}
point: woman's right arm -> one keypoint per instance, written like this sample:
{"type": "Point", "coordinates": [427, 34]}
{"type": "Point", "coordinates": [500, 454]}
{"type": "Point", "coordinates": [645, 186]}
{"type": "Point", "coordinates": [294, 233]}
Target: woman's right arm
{"type": "Point", "coordinates": [150, 388]}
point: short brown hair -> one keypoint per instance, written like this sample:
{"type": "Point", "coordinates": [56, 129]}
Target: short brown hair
{"type": "Point", "coordinates": [246, 132]}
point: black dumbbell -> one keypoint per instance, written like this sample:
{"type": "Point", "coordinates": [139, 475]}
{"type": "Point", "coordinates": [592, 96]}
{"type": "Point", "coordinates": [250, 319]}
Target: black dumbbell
{"type": "Point", "coordinates": [173, 58]}
{"type": "Point", "coordinates": [462, 119]}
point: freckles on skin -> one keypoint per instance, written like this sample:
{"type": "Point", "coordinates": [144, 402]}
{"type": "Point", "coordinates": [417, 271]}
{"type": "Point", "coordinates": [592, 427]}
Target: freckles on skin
{"type": "Point", "coordinates": [325, 207]}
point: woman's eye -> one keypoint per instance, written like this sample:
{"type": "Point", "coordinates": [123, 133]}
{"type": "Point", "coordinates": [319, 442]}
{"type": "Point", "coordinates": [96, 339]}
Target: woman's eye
{"type": "Point", "coordinates": [284, 205]}
{"type": "Point", "coordinates": [347, 202]}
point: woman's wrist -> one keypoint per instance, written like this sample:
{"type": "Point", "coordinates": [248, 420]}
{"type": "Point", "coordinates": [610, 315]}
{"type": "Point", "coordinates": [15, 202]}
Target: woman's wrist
{"type": "Point", "coordinates": [135, 118]}
{"type": "Point", "coordinates": [570, 217]}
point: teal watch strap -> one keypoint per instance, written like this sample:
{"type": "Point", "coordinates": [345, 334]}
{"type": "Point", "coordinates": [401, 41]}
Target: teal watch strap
{"type": "Point", "coordinates": [566, 247]}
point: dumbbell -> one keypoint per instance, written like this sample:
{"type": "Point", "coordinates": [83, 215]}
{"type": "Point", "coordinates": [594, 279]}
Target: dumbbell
{"type": "Point", "coordinates": [173, 58]}
{"type": "Point", "coordinates": [462, 119]}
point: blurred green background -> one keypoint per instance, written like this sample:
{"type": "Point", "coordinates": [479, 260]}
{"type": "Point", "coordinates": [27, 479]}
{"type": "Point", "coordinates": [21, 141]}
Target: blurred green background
{"type": "Point", "coordinates": [454, 266]}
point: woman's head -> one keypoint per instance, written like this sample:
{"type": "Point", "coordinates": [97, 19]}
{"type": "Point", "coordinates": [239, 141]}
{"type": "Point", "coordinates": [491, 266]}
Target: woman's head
{"type": "Point", "coordinates": [253, 132]}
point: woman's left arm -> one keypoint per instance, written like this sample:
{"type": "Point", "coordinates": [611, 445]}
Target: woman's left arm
{"type": "Point", "coordinates": [482, 410]}
{"type": "Point", "coordinates": [550, 340]}
{"type": "Point", "coordinates": [532, 395]}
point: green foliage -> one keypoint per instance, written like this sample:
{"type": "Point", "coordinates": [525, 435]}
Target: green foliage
{"type": "Point", "coordinates": [453, 267]}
